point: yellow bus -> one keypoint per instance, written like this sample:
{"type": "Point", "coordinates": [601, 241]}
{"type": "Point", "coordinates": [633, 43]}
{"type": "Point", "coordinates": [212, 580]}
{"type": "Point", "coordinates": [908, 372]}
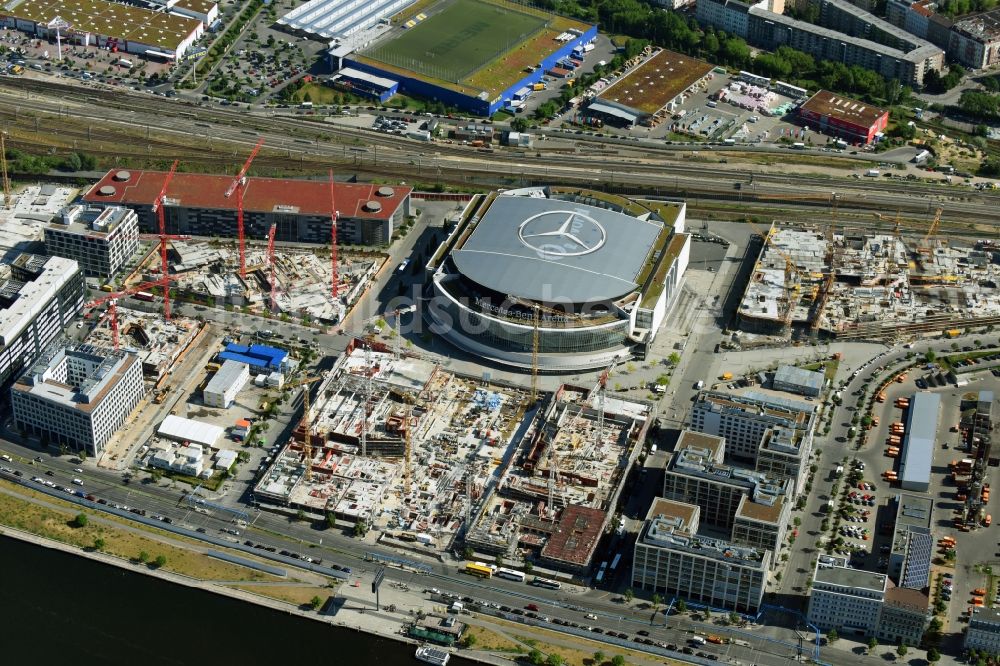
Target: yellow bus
{"type": "Point", "coordinates": [479, 569]}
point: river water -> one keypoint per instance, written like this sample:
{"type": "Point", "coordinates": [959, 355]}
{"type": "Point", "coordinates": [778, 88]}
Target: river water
{"type": "Point", "coordinates": [57, 606]}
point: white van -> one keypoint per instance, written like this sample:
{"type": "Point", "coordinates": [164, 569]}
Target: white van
{"type": "Point", "coordinates": [78, 482]}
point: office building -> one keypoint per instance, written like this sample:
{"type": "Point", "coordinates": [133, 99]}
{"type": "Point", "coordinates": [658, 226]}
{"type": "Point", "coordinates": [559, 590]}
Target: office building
{"type": "Point", "coordinates": [197, 204]}
{"type": "Point", "coordinates": [773, 434]}
{"type": "Point", "coordinates": [798, 380]}
{"type": "Point", "coordinates": [984, 631]}
{"type": "Point", "coordinates": [746, 502]}
{"type": "Point", "coordinates": [845, 599]}
{"type": "Point", "coordinates": [912, 542]}
{"type": "Point", "coordinates": [863, 603]}
{"type": "Point", "coordinates": [229, 379]}
{"type": "Point", "coordinates": [39, 297]}
{"type": "Point", "coordinates": [974, 41]}
{"type": "Point", "coordinates": [918, 441]}
{"type": "Point", "coordinates": [101, 240]}
{"type": "Point", "coordinates": [844, 118]}
{"type": "Point", "coordinates": [670, 558]}
{"type": "Point", "coordinates": [77, 396]}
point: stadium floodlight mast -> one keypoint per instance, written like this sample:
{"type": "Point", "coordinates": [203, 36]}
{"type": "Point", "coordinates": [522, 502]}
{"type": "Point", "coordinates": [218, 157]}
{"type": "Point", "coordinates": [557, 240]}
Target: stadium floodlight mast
{"type": "Point", "coordinates": [58, 24]}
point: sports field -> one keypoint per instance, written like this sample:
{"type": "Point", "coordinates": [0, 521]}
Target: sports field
{"type": "Point", "coordinates": [458, 39]}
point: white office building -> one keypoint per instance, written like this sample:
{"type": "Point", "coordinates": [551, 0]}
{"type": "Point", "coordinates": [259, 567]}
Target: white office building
{"type": "Point", "coordinates": [984, 630]}
{"type": "Point", "coordinates": [848, 600]}
{"type": "Point", "coordinates": [39, 297]}
{"type": "Point", "coordinates": [100, 239]}
{"type": "Point", "coordinates": [77, 396]}
{"type": "Point", "coordinates": [228, 381]}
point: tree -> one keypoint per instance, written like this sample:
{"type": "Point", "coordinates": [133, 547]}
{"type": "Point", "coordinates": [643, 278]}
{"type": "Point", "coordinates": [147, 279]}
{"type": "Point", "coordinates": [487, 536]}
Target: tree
{"type": "Point", "coordinates": [360, 529]}
{"type": "Point", "coordinates": [681, 606]}
{"type": "Point", "coordinates": [933, 655]}
{"type": "Point", "coordinates": [617, 660]}
{"type": "Point", "coordinates": [80, 520]}
{"type": "Point", "coordinates": [872, 643]}
{"type": "Point", "coordinates": [467, 553]}
{"type": "Point", "coordinates": [528, 566]}
{"type": "Point", "coordinates": [657, 600]}
{"type": "Point", "coordinates": [469, 640]}
{"type": "Point", "coordinates": [599, 658]}
{"type": "Point", "coordinates": [674, 358]}
{"type": "Point", "coordinates": [536, 657]}
{"type": "Point", "coordinates": [98, 544]}
{"type": "Point", "coordinates": [498, 560]}
{"type": "Point", "coordinates": [315, 602]}
{"type": "Point", "coordinates": [832, 636]}
{"type": "Point", "coordinates": [629, 595]}
{"type": "Point", "coordinates": [519, 124]}
{"type": "Point", "coordinates": [554, 660]}
{"type": "Point", "coordinates": [929, 355]}
{"type": "Point", "coordinates": [901, 650]}
{"type": "Point", "coordinates": [300, 515]}
{"type": "Point", "coordinates": [160, 561]}
{"type": "Point", "coordinates": [143, 556]}
{"type": "Point", "coordinates": [797, 521]}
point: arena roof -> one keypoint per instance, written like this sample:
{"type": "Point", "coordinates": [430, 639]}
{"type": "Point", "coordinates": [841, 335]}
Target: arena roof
{"type": "Point", "coordinates": [556, 251]}
{"type": "Point", "coordinates": [264, 195]}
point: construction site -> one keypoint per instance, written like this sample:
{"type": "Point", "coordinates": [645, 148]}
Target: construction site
{"type": "Point", "coordinates": [850, 283]}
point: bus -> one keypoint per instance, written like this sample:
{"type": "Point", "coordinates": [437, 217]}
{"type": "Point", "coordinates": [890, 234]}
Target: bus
{"type": "Point", "coordinates": [123, 62]}
{"type": "Point", "coordinates": [545, 582]}
{"type": "Point", "coordinates": [614, 562]}
{"type": "Point", "coordinates": [142, 296]}
{"type": "Point", "coordinates": [510, 574]}
{"type": "Point", "coordinates": [479, 569]}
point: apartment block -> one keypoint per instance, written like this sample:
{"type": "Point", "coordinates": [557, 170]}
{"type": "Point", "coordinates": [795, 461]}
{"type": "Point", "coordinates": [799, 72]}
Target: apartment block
{"type": "Point", "coordinates": [101, 240]}
{"type": "Point", "coordinates": [672, 559]}
{"type": "Point", "coordinates": [749, 504]}
{"type": "Point", "coordinates": [773, 434]}
{"type": "Point", "coordinates": [974, 41]}
{"type": "Point", "coordinates": [77, 395]}
{"type": "Point", "coordinates": [39, 297]}
{"type": "Point", "coordinates": [904, 617]}
{"type": "Point", "coordinates": [854, 21]}
{"type": "Point", "coordinates": [984, 630]}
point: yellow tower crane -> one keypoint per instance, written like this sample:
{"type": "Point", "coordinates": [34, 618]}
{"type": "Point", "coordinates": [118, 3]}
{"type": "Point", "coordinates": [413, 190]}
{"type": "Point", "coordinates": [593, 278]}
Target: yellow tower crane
{"type": "Point", "coordinates": [307, 447]}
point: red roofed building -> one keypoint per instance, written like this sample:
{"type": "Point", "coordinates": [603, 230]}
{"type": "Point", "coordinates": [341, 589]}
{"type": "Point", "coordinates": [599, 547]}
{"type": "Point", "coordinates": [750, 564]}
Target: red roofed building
{"type": "Point", "coordinates": [196, 205]}
{"type": "Point", "coordinates": [848, 119]}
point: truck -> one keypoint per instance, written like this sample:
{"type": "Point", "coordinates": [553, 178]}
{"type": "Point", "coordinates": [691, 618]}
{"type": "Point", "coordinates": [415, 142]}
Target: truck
{"type": "Point", "coordinates": [952, 333]}
{"type": "Point", "coordinates": [872, 173]}
{"type": "Point", "coordinates": [538, 86]}
{"type": "Point", "coordinates": [718, 640]}
{"type": "Point", "coordinates": [306, 105]}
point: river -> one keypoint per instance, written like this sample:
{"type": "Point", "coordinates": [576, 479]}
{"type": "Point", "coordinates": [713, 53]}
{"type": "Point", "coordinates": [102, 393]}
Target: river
{"type": "Point", "coordinates": [57, 606]}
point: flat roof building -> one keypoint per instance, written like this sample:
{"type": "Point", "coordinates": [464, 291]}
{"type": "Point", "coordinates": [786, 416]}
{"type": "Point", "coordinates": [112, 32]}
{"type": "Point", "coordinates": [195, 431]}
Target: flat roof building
{"type": "Point", "coordinates": [912, 542]}
{"type": "Point", "coordinates": [798, 380]}
{"type": "Point", "coordinates": [229, 379]}
{"type": "Point", "coordinates": [773, 434]}
{"type": "Point", "coordinates": [918, 441]}
{"type": "Point", "coordinates": [260, 358]}
{"type": "Point", "coordinates": [671, 558]}
{"type": "Point", "coordinates": [848, 600]}
{"type": "Point", "coordinates": [77, 396]}
{"type": "Point", "coordinates": [101, 240]}
{"type": "Point", "coordinates": [196, 204]}
{"type": "Point", "coordinates": [844, 118]}
{"type": "Point", "coordinates": [39, 297]}
{"type": "Point", "coordinates": [190, 431]}
{"type": "Point", "coordinates": [984, 630]}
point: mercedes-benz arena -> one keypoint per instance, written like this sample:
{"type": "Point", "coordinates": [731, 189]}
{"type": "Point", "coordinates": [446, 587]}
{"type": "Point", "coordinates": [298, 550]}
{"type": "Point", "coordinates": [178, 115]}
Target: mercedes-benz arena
{"type": "Point", "coordinates": [591, 276]}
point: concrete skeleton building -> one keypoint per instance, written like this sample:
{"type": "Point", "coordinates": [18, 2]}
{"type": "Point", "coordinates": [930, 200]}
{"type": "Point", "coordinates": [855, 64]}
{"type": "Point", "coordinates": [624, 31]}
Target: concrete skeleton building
{"type": "Point", "coordinates": [196, 204]}
{"type": "Point", "coordinates": [672, 558]}
{"type": "Point", "coordinates": [77, 395]}
{"type": "Point", "coordinates": [39, 297]}
{"type": "Point", "coordinates": [755, 509]}
{"type": "Point", "coordinates": [101, 240]}
{"type": "Point", "coordinates": [599, 272]}
{"type": "Point", "coordinates": [863, 603]}
{"type": "Point", "coordinates": [773, 434]}
{"type": "Point", "coordinates": [227, 382]}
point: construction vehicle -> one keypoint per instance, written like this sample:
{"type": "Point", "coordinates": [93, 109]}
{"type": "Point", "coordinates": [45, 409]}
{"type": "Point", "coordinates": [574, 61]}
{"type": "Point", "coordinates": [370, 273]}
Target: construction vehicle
{"type": "Point", "coordinates": [726, 376]}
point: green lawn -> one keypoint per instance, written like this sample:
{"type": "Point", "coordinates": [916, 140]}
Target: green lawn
{"type": "Point", "coordinates": [458, 40]}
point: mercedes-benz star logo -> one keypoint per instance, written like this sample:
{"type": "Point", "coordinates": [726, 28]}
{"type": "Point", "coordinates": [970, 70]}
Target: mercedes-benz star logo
{"type": "Point", "coordinates": [561, 233]}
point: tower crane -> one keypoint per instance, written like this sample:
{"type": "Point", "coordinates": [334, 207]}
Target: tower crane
{"type": "Point", "coordinates": [158, 206]}
{"type": "Point", "coordinates": [238, 185]}
{"type": "Point", "coordinates": [534, 354]}
{"type": "Point", "coordinates": [602, 388]}
{"type": "Point", "coordinates": [306, 422]}
{"type": "Point", "coordinates": [334, 214]}
{"type": "Point", "coordinates": [112, 301]}
{"type": "Point", "coordinates": [3, 167]}
{"type": "Point", "coordinates": [270, 264]}
{"type": "Point", "coordinates": [935, 223]}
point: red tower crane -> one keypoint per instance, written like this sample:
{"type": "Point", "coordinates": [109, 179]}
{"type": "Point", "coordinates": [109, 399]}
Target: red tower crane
{"type": "Point", "coordinates": [237, 186]}
{"type": "Point", "coordinates": [333, 238]}
{"type": "Point", "coordinates": [158, 209]}
{"type": "Point", "coordinates": [112, 301]}
{"type": "Point", "coordinates": [270, 263]}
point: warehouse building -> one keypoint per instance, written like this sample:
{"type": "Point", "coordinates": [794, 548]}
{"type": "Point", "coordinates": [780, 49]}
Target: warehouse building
{"type": "Point", "coordinates": [601, 273]}
{"type": "Point", "coordinates": [671, 558]}
{"type": "Point", "coordinates": [844, 118]}
{"type": "Point", "coordinates": [798, 380]}
{"type": "Point", "coordinates": [114, 26]}
{"type": "Point", "coordinates": [228, 381]}
{"type": "Point", "coordinates": [364, 84]}
{"type": "Point", "coordinates": [196, 205]}
{"type": "Point", "coordinates": [190, 431]}
{"type": "Point", "coordinates": [77, 396]}
{"type": "Point", "coordinates": [918, 441]}
{"type": "Point", "coordinates": [101, 240]}
{"type": "Point", "coordinates": [773, 434]}
{"type": "Point", "coordinates": [259, 358]}
{"type": "Point", "coordinates": [39, 297]}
